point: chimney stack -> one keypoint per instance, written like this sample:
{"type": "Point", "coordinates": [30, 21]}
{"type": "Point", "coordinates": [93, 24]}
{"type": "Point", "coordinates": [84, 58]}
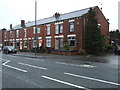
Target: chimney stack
{"type": "Point", "coordinates": [22, 23]}
{"type": "Point", "coordinates": [10, 26]}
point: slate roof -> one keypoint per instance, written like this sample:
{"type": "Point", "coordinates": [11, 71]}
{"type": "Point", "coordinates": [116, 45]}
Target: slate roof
{"type": "Point", "coordinates": [69, 15]}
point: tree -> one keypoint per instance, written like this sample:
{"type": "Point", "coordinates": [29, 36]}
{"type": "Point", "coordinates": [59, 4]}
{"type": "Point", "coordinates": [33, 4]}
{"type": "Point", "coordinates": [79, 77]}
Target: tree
{"type": "Point", "coordinates": [93, 41]}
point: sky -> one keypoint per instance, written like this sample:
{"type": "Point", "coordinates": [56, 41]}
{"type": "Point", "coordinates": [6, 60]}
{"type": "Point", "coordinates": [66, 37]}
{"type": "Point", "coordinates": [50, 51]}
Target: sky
{"type": "Point", "coordinates": [13, 11]}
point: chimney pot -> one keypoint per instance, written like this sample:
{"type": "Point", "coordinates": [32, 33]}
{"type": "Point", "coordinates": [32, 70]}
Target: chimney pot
{"type": "Point", "coordinates": [22, 23]}
{"type": "Point", "coordinates": [10, 26]}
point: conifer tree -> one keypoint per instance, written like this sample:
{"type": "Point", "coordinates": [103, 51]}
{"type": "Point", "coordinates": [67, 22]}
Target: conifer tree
{"type": "Point", "coordinates": [93, 39]}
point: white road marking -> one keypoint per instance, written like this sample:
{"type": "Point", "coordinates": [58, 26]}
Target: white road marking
{"type": "Point", "coordinates": [34, 59]}
{"type": "Point", "coordinates": [62, 63]}
{"type": "Point", "coordinates": [70, 84]}
{"type": "Point", "coordinates": [4, 64]}
{"type": "Point", "coordinates": [32, 66]}
{"type": "Point", "coordinates": [99, 80]}
{"type": "Point", "coordinates": [84, 65]}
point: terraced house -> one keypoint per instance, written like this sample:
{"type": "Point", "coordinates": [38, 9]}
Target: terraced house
{"type": "Point", "coordinates": [53, 33]}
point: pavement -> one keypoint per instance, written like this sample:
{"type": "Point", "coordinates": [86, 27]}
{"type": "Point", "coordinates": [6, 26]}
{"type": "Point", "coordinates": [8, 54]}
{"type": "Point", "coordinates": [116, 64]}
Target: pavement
{"type": "Point", "coordinates": [106, 59]}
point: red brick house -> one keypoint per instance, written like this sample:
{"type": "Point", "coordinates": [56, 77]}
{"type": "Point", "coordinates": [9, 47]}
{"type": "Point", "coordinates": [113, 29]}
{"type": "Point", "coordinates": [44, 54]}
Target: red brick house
{"type": "Point", "coordinates": [54, 32]}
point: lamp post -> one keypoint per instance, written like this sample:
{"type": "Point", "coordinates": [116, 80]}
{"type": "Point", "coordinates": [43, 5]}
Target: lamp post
{"type": "Point", "coordinates": [35, 25]}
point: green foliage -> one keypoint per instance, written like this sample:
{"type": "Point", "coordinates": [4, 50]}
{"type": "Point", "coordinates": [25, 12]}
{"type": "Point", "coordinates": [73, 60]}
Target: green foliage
{"type": "Point", "coordinates": [109, 48]}
{"type": "Point", "coordinates": [66, 46]}
{"type": "Point", "coordinates": [93, 41]}
{"type": "Point", "coordinates": [115, 34]}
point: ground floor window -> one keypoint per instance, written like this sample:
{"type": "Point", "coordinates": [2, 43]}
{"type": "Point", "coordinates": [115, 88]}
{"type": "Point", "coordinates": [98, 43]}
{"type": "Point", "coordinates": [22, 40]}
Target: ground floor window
{"type": "Point", "coordinates": [48, 42]}
{"type": "Point", "coordinates": [25, 44]}
{"type": "Point", "coordinates": [34, 44]}
{"type": "Point", "coordinates": [71, 41]}
{"type": "Point", "coordinates": [11, 43]}
{"type": "Point", "coordinates": [17, 43]}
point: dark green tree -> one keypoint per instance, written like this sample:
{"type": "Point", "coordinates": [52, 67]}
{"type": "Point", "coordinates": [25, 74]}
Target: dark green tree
{"type": "Point", "coordinates": [93, 41]}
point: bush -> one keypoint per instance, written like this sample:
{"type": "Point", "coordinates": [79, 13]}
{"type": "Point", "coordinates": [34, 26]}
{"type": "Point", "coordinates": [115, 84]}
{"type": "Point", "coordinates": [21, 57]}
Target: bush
{"type": "Point", "coordinates": [66, 47]}
{"type": "Point", "coordinates": [109, 48]}
{"type": "Point", "coordinates": [82, 51]}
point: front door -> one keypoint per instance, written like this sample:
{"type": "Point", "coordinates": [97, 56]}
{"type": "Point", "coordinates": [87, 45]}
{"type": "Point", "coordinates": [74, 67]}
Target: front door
{"type": "Point", "coordinates": [20, 45]}
{"type": "Point", "coordinates": [56, 43]}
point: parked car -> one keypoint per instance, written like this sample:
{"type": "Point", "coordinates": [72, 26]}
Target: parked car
{"type": "Point", "coordinates": [117, 50]}
{"type": "Point", "coordinates": [9, 49]}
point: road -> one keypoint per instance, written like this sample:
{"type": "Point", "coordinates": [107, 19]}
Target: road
{"type": "Point", "coordinates": [51, 72]}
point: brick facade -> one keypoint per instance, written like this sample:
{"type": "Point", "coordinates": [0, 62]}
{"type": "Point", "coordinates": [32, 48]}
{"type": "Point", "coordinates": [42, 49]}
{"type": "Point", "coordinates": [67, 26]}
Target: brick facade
{"type": "Point", "coordinates": [70, 31]}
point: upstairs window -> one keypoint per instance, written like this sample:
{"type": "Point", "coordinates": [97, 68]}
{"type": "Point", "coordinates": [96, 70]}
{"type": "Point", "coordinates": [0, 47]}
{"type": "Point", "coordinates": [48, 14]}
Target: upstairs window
{"type": "Point", "coordinates": [10, 34]}
{"type": "Point", "coordinates": [71, 27]}
{"type": "Point", "coordinates": [38, 30]}
{"type": "Point", "coordinates": [34, 30]}
{"type": "Point", "coordinates": [61, 28]}
{"type": "Point", "coordinates": [5, 34]}
{"type": "Point", "coordinates": [56, 29]}
{"type": "Point", "coordinates": [48, 30]}
{"type": "Point", "coordinates": [25, 33]}
{"type": "Point", "coordinates": [17, 33]}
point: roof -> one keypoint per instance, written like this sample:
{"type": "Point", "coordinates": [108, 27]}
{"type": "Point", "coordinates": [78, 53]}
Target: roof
{"type": "Point", "coordinates": [69, 15]}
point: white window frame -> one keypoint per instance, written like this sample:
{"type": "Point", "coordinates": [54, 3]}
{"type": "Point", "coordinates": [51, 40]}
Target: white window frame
{"type": "Point", "coordinates": [38, 30]}
{"type": "Point", "coordinates": [34, 31]}
{"type": "Point", "coordinates": [56, 28]}
{"type": "Point", "coordinates": [61, 28]}
{"type": "Point", "coordinates": [71, 39]}
{"type": "Point", "coordinates": [71, 26]}
{"type": "Point", "coordinates": [25, 32]}
{"type": "Point", "coordinates": [10, 34]}
{"type": "Point", "coordinates": [17, 33]}
{"type": "Point", "coordinates": [48, 30]}
{"type": "Point", "coordinates": [48, 42]}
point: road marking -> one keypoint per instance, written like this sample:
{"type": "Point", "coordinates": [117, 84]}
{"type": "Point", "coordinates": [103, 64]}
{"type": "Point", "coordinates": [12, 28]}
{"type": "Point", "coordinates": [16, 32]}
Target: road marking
{"type": "Point", "coordinates": [34, 59]}
{"type": "Point", "coordinates": [84, 65]}
{"type": "Point", "coordinates": [99, 80]}
{"type": "Point", "coordinates": [62, 63]}
{"type": "Point", "coordinates": [4, 64]}
{"type": "Point", "coordinates": [70, 84]}
{"type": "Point", "coordinates": [32, 66]}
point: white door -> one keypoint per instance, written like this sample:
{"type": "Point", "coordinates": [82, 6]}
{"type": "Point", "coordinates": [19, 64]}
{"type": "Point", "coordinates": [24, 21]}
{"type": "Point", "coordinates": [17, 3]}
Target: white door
{"type": "Point", "coordinates": [20, 45]}
{"type": "Point", "coordinates": [56, 43]}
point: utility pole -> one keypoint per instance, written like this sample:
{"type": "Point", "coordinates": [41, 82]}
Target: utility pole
{"type": "Point", "coordinates": [35, 38]}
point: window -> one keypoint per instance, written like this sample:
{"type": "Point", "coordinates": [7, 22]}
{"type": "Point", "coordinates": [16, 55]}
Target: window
{"type": "Point", "coordinates": [38, 30]}
{"type": "Point", "coordinates": [48, 30]}
{"type": "Point", "coordinates": [61, 28]}
{"type": "Point", "coordinates": [71, 41]}
{"type": "Point", "coordinates": [71, 27]}
{"type": "Point", "coordinates": [17, 43]}
{"type": "Point", "coordinates": [48, 42]}
{"type": "Point", "coordinates": [17, 33]}
{"type": "Point", "coordinates": [61, 43]}
{"type": "Point", "coordinates": [34, 44]}
{"type": "Point", "coordinates": [5, 34]}
{"type": "Point", "coordinates": [34, 31]}
{"type": "Point", "coordinates": [56, 29]}
{"type": "Point", "coordinates": [10, 34]}
{"type": "Point", "coordinates": [24, 32]}
{"type": "Point", "coordinates": [25, 44]}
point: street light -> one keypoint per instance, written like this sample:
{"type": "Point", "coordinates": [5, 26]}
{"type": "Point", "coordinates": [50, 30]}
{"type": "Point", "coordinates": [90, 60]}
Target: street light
{"type": "Point", "coordinates": [35, 25]}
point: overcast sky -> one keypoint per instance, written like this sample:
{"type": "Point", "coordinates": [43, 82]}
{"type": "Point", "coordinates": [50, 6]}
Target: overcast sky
{"type": "Point", "coordinates": [13, 11]}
